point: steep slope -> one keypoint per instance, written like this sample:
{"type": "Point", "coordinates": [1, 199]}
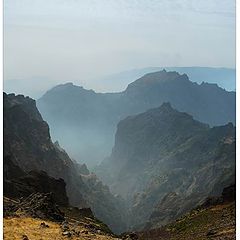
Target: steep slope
{"type": "Point", "coordinates": [83, 120]}
{"type": "Point", "coordinates": [28, 146]}
{"type": "Point", "coordinates": [215, 219]}
{"type": "Point", "coordinates": [80, 120]}
{"type": "Point", "coordinates": [164, 163]}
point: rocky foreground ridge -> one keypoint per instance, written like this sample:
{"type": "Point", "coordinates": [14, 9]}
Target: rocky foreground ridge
{"type": "Point", "coordinates": [39, 217]}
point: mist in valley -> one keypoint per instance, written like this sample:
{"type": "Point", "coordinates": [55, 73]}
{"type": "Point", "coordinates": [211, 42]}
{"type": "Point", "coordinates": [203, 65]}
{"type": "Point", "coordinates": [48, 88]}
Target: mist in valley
{"type": "Point", "coordinates": [96, 45]}
{"type": "Point", "coordinates": [125, 108]}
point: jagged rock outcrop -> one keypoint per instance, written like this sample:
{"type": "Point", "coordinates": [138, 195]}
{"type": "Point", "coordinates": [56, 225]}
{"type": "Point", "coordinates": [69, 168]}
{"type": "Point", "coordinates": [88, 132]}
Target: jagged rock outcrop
{"type": "Point", "coordinates": [28, 147]}
{"type": "Point", "coordinates": [42, 206]}
{"type": "Point", "coordinates": [228, 195]}
{"type": "Point", "coordinates": [34, 182]}
{"type": "Point", "coordinates": [77, 115]}
{"type": "Point", "coordinates": [35, 205]}
{"type": "Point", "coordinates": [27, 143]}
{"type": "Point", "coordinates": [164, 163]}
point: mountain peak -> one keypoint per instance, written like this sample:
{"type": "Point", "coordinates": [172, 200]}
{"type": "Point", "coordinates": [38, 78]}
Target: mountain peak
{"type": "Point", "coordinates": [26, 104]}
{"type": "Point", "coordinates": [166, 106]}
{"type": "Point", "coordinates": [162, 75]}
{"type": "Point", "coordinates": [64, 85]}
{"type": "Point", "coordinates": [157, 78]}
{"type": "Point", "coordinates": [68, 84]}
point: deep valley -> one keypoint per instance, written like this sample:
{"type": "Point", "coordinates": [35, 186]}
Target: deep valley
{"type": "Point", "coordinates": [162, 158]}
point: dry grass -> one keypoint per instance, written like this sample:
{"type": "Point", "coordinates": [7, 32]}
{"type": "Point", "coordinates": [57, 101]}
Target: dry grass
{"type": "Point", "coordinates": [15, 228]}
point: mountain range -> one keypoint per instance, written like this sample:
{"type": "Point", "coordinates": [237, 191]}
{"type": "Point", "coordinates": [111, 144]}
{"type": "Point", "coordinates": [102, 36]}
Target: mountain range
{"type": "Point", "coordinates": [224, 77]}
{"type": "Point", "coordinates": [85, 122]}
{"type": "Point", "coordinates": [173, 146]}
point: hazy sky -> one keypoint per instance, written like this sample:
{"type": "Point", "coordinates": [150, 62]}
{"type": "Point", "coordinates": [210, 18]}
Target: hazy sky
{"type": "Point", "coordinates": [56, 41]}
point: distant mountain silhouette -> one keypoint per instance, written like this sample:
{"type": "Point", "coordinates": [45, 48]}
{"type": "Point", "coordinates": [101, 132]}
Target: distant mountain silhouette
{"type": "Point", "coordinates": [224, 77]}
{"type": "Point", "coordinates": [85, 121]}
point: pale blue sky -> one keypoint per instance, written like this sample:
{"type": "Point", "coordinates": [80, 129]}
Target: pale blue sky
{"type": "Point", "coordinates": [50, 42]}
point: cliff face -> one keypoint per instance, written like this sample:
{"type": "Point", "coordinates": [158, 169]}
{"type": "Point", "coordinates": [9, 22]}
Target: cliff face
{"type": "Point", "coordinates": [27, 142]}
{"type": "Point", "coordinates": [79, 115]}
{"type": "Point", "coordinates": [164, 163]}
{"type": "Point", "coordinates": [35, 182]}
{"type": "Point", "coordinates": [28, 147]}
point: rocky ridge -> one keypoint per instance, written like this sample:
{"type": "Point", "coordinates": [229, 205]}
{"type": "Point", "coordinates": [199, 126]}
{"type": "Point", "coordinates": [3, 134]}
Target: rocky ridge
{"type": "Point", "coordinates": [28, 149]}
{"type": "Point", "coordinates": [164, 163]}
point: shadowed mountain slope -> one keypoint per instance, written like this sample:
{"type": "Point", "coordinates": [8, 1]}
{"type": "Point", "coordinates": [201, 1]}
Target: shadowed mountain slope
{"type": "Point", "coordinates": [28, 149]}
{"type": "Point", "coordinates": [164, 163]}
